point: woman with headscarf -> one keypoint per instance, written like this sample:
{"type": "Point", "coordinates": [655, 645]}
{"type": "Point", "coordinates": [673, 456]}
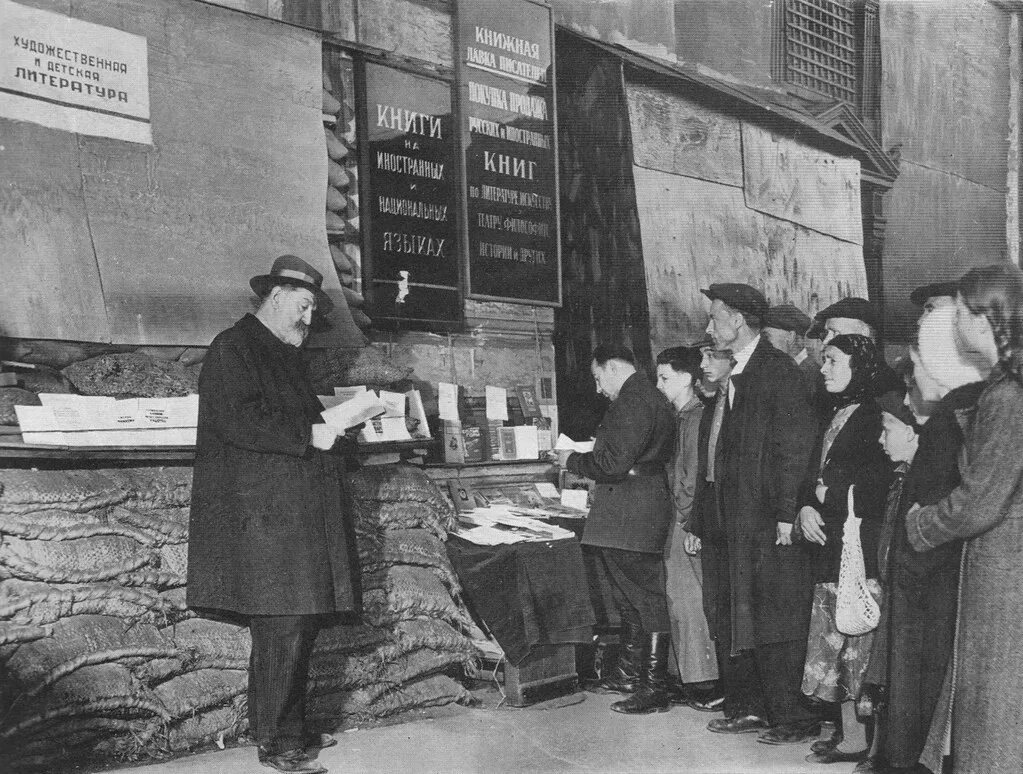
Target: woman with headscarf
{"type": "Point", "coordinates": [849, 455]}
{"type": "Point", "coordinates": [977, 718]}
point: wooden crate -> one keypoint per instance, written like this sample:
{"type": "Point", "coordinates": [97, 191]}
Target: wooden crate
{"type": "Point", "coordinates": [548, 671]}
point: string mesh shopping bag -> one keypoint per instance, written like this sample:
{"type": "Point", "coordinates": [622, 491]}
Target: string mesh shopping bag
{"type": "Point", "coordinates": [856, 611]}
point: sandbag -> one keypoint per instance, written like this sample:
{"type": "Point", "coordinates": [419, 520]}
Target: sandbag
{"type": "Point", "coordinates": [162, 524]}
{"type": "Point", "coordinates": [73, 561]}
{"type": "Point", "coordinates": [200, 690]}
{"type": "Point", "coordinates": [25, 491]}
{"type": "Point", "coordinates": [214, 725]}
{"type": "Point", "coordinates": [363, 366]}
{"type": "Point", "coordinates": [435, 690]}
{"type": "Point", "coordinates": [396, 483]}
{"type": "Point", "coordinates": [70, 638]}
{"type": "Point", "coordinates": [410, 592]}
{"type": "Point", "coordinates": [132, 375]}
{"type": "Point", "coordinates": [208, 641]}
{"type": "Point", "coordinates": [35, 602]}
{"type": "Point", "coordinates": [351, 639]}
{"type": "Point", "coordinates": [407, 515]}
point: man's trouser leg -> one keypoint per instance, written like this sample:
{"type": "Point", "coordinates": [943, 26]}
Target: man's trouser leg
{"type": "Point", "coordinates": [781, 671]}
{"type": "Point", "coordinates": [278, 676]}
{"type": "Point", "coordinates": [637, 583]}
{"type": "Point", "coordinates": [740, 681]}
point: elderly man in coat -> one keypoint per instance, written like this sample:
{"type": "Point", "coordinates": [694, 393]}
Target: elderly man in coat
{"type": "Point", "coordinates": [766, 440]}
{"type": "Point", "coordinates": [628, 524]}
{"type": "Point", "coordinates": [268, 538]}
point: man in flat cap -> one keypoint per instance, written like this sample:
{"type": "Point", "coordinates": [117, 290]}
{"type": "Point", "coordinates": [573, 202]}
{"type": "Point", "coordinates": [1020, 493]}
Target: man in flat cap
{"type": "Point", "coordinates": [848, 315]}
{"type": "Point", "coordinates": [765, 443]}
{"type": "Point", "coordinates": [785, 326]}
{"type": "Point", "coordinates": [268, 539]}
{"type": "Point", "coordinates": [934, 296]}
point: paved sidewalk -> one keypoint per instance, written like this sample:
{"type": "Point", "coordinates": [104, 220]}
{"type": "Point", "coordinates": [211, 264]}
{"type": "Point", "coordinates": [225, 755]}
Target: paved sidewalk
{"type": "Point", "coordinates": [574, 734]}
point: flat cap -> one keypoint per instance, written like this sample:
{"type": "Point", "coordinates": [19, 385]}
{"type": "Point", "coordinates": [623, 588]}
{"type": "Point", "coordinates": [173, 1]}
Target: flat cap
{"type": "Point", "coordinates": [737, 295]}
{"type": "Point", "coordinates": [922, 293]}
{"type": "Point", "coordinates": [787, 317]}
{"type": "Point", "coordinates": [852, 308]}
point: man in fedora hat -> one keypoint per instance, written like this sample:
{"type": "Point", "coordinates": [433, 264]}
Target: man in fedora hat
{"type": "Point", "coordinates": [268, 538]}
{"type": "Point", "coordinates": [762, 452]}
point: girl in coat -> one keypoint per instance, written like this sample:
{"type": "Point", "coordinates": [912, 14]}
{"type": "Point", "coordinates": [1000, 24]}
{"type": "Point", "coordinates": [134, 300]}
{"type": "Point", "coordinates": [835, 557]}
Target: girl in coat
{"type": "Point", "coordinates": [849, 455]}
{"type": "Point", "coordinates": [977, 719]}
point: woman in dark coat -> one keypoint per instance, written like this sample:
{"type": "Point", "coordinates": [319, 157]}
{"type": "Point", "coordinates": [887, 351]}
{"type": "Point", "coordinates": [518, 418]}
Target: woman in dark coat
{"type": "Point", "coordinates": [849, 454]}
{"type": "Point", "coordinates": [978, 714]}
{"type": "Point", "coordinates": [921, 588]}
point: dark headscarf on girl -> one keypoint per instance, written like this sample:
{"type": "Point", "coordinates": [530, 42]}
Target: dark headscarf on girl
{"type": "Point", "coordinates": [867, 369]}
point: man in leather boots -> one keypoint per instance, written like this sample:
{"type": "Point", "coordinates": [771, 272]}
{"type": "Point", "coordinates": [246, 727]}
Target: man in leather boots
{"type": "Point", "coordinates": [628, 524]}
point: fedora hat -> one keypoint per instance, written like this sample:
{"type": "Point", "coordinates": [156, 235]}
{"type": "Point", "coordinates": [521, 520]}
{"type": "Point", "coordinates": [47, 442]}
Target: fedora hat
{"type": "Point", "coordinates": [292, 270]}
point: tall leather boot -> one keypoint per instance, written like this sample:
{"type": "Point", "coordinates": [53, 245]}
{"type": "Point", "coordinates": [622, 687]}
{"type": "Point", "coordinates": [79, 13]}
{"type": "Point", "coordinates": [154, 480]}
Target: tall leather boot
{"type": "Point", "coordinates": [652, 694]}
{"type": "Point", "coordinates": [624, 675]}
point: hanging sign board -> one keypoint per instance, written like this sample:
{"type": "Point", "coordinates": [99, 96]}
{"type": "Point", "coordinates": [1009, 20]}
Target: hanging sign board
{"type": "Point", "coordinates": [410, 220]}
{"type": "Point", "coordinates": [509, 135]}
{"type": "Point", "coordinates": [73, 75]}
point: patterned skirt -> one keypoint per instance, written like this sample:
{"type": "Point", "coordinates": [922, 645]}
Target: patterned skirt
{"type": "Point", "coordinates": [835, 662]}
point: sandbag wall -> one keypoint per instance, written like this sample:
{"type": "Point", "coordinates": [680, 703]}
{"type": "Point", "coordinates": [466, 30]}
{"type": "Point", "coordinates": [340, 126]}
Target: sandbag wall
{"type": "Point", "coordinates": [100, 661]}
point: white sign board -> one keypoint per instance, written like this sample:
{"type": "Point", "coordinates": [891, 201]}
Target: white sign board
{"type": "Point", "coordinates": [73, 75]}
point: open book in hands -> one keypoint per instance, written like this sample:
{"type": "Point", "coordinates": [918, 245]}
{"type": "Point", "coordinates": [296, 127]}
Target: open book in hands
{"type": "Point", "coordinates": [356, 411]}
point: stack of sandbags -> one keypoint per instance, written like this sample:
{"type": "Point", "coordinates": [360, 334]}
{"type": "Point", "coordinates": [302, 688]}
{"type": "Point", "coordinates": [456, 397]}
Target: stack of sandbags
{"type": "Point", "coordinates": [342, 183]}
{"type": "Point", "coordinates": [415, 629]}
{"type": "Point", "coordinates": [92, 575]}
{"type": "Point", "coordinates": [101, 662]}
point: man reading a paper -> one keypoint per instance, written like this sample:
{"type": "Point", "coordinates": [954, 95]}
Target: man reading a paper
{"type": "Point", "coordinates": [627, 526]}
{"type": "Point", "coordinates": [267, 530]}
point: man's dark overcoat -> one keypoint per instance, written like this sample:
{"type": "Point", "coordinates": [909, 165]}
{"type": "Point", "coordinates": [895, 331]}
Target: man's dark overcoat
{"type": "Point", "coordinates": [630, 512]}
{"type": "Point", "coordinates": [268, 533]}
{"type": "Point", "coordinates": [766, 441]}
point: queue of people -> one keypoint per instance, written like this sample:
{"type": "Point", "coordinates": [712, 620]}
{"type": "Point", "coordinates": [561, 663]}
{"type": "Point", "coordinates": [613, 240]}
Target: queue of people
{"type": "Point", "coordinates": [820, 537]}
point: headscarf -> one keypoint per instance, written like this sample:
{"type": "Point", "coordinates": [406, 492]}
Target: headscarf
{"type": "Point", "coordinates": [868, 370]}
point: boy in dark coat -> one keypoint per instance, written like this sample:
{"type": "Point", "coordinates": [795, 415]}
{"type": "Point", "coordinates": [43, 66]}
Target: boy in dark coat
{"type": "Point", "coordinates": [267, 529]}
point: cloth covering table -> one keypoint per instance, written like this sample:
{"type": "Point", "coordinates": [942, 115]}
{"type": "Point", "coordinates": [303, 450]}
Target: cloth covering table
{"type": "Point", "coordinates": [528, 594]}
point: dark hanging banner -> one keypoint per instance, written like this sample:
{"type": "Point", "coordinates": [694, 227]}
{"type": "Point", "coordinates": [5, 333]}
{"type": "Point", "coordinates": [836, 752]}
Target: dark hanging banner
{"type": "Point", "coordinates": [410, 202]}
{"type": "Point", "coordinates": [505, 80]}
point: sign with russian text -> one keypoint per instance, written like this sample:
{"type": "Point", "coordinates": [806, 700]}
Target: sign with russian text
{"type": "Point", "coordinates": [68, 74]}
{"type": "Point", "coordinates": [411, 220]}
{"type": "Point", "coordinates": [509, 137]}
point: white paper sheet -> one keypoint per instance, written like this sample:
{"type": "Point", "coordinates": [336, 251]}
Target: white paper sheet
{"type": "Point", "coordinates": [359, 409]}
{"type": "Point", "coordinates": [497, 403]}
{"type": "Point", "coordinates": [567, 444]}
{"type": "Point", "coordinates": [417, 412]}
{"type": "Point", "coordinates": [447, 401]}
{"type": "Point", "coordinates": [527, 445]}
{"type": "Point", "coordinates": [574, 498]}
{"type": "Point", "coordinates": [547, 489]}
{"type": "Point", "coordinates": [395, 402]}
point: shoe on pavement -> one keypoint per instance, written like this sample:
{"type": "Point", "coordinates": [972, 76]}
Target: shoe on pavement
{"type": "Point", "coordinates": [837, 756]}
{"type": "Point", "coordinates": [319, 741]}
{"type": "Point", "coordinates": [745, 724]}
{"type": "Point", "coordinates": [292, 761]}
{"type": "Point", "coordinates": [791, 733]}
